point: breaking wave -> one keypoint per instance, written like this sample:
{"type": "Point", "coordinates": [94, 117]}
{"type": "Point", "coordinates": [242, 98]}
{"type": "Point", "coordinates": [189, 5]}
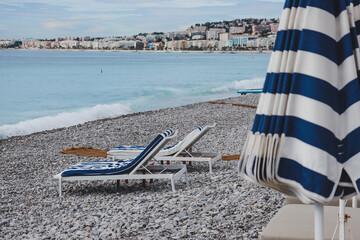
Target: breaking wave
{"type": "Point", "coordinates": [242, 84]}
{"type": "Point", "coordinates": [64, 119]}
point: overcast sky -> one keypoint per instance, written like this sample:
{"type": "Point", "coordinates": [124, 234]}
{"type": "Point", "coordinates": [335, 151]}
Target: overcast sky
{"type": "Point", "coordinates": [60, 18]}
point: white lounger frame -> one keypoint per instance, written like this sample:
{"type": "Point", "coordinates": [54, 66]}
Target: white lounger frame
{"type": "Point", "coordinates": [210, 158]}
{"type": "Point", "coordinates": [143, 165]}
{"type": "Point", "coordinates": [181, 171]}
{"type": "Point", "coordinates": [181, 146]}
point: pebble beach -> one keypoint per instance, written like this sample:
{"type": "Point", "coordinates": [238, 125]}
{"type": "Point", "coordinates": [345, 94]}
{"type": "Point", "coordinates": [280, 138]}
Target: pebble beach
{"type": "Point", "coordinates": [214, 206]}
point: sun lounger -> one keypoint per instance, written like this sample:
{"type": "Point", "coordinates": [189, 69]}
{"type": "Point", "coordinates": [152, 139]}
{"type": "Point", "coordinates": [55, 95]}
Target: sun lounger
{"type": "Point", "coordinates": [174, 150]}
{"type": "Point", "coordinates": [182, 151]}
{"type": "Point", "coordinates": [296, 222]}
{"type": "Point", "coordinates": [129, 168]}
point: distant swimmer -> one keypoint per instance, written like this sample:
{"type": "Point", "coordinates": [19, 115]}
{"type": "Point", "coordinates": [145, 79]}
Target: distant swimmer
{"type": "Point", "coordinates": [101, 70]}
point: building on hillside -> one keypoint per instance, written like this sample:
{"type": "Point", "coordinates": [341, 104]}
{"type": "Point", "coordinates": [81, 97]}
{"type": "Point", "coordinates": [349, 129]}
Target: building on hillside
{"type": "Point", "coordinates": [55, 44]}
{"type": "Point", "coordinates": [224, 39]}
{"type": "Point", "coordinates": [241, 41]}
{"type": "Point", "coordinates": [74, 44]}
{"type": "Point", "coordinates": [212, 44]}
{"type": "Point", "coordinates": [141, 38]}
{"type": "Point", "coordinates": [224, 36]}
{"type": "Point", "coordinates": [124, 44]}
{"type": "Point", "coordinates": [197, 29]}
{"type": "Point", "coordinates": [95, 45]}
{"type": "Point", "coordinates": [196, 33]}
{"type": "Point", "coordinates": [139, 45]}
{"type": "Point", "coordinates": [274, 27]}
{"type": "Point", "coordinates": [158, 45]}
{"type": "Point", "coordinates": [130, 38]}
{"type": "Point", "coordinates": [180, 34]}
{"type": "Point", "coordinates": [213, 33]}
{"type": "Point", "coordinates": [258, 29]}
{"type": "Point", "coordinates": [86, 44]}
{"type": "Point", "coordinates": [154, 37]}
{"type": "Point", "coordinates": [182, 45]}
{"type": "Point", "coordinates": [198, 37]}
{"type": "Point", "coordinates": [85, 38]}
{"type": "Point", "coordinates": [200, 44]}
{"type": "Point", "coordinates": [237, 30]}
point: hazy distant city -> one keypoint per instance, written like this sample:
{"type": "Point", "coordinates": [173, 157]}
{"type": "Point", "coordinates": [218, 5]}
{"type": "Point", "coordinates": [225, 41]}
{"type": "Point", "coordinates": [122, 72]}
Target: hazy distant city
{"type": "Point", "coordinates": [235, 35]}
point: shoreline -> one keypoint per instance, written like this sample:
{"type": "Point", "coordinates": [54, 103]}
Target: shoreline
{"type": "Point", "coordinates": [145, 51]}
{"type": "Point", "coordinates": [214, 206]}
{"type": "Point", "coordinates": [131, 114]}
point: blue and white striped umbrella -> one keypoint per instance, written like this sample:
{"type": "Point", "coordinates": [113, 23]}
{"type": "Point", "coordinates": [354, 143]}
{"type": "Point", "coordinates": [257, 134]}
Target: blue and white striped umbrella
{"type": "Point", "coordinates": [305, 140]}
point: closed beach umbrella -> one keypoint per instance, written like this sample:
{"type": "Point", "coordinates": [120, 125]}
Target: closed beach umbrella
{"type": "Point", "coordinates": [305, 140]}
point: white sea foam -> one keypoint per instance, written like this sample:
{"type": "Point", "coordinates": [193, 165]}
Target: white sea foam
{"type": "Point", "coordinates": [64, 119]}
{"type": "Point", "coordinates": [242, 84]}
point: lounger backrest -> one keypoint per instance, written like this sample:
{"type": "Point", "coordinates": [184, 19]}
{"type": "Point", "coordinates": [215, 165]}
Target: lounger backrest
{"type": "Point", "coordinates": [171, 150]}
{"type": "Point", "coordinates": [195, 138]}
{"type": "Point", "coordinates": [152, 149]}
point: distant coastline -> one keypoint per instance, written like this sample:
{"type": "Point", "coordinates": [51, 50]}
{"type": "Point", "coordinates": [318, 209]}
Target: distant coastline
{"type": "Point", "coordinates": [146, 51]}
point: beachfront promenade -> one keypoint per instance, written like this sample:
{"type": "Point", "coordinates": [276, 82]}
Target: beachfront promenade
{"type": "Point", "coordinates": [213, 206]}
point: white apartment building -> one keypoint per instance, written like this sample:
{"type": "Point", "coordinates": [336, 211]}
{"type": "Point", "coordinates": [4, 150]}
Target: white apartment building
{"type": "Point", "coordinates": [123, 44]}
{"type": "Point", "coordinates": [225, 40]}
{"type": "Point", "coordinates": [198, 37]}
{"type": "Point", "coordinates": [213, 33]}
{"type": "Point", "coordinates": [86, 44]}
{"type": "Point", "coordinates": [212, 44]}
{"type": "Point", "coordinates": [180, 34]}
{"type": "Point", "coordinates": [237, 30]}
{"type": "Point", "coordinates": [224, 37]}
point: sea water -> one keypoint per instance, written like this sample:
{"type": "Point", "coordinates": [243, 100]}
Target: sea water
{"type": "Point", "coordinates": [41, 90]}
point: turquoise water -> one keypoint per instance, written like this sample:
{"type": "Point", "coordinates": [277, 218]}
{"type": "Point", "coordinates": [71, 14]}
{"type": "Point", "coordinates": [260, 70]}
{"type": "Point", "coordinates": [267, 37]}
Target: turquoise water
{"type": "Point", "coordinates": [42, 90]}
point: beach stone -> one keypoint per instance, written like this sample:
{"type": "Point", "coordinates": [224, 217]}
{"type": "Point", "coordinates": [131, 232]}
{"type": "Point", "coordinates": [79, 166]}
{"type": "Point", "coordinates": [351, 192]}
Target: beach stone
{"type": "Point", "coordinates": [214, 206]}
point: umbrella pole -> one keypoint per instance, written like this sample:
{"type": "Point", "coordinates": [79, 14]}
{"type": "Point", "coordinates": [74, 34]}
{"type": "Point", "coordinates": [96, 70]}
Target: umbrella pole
{"type": "Point", "coordinates": [354, 202]}
{"type": "Point", "coordinates": [319, 221]}
{"type": "Point", "coordinates": [341, 219]}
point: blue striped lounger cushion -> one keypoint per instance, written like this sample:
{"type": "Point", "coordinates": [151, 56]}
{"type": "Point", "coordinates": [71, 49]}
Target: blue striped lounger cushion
{"type": "Point", "coordinates": [113, 167]}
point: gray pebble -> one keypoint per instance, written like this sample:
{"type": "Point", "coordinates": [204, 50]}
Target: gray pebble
{"type": "Point", "coordinates": [215, 206]}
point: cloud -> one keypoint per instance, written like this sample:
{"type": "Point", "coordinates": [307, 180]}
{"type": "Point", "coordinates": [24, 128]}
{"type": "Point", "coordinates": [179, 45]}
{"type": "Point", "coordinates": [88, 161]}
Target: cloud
{"type": "Point", "coordinates": [104, 16]}
{"type": "Point", "coordinates": [121, 5]}
{"type": "Point", "coordinates": [187, 3]}
{"type": "Point", "coordinates": [58, 25]}
{"type": "Point", "coordinates": [122, 17]}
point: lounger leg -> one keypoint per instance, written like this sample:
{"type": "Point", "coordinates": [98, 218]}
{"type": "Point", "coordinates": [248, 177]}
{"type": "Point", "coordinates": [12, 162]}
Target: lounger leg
{"type": "Point", "coordinates": [186, 178]}
{"type": "Point", "coordinates": [144, 180]}
{"type": "Point", "coordinates": [144, 183]}
{"type": "Point", "coordinates": [210, 166]}
{"type": "Point", "coordinates": [151, 180]}
{"type": "Point", "coordinates": [117, 184]}
{"type": "Point", "coordinates": [173, 184]}
{"type": "Point", "coordinates": [60, 189]}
